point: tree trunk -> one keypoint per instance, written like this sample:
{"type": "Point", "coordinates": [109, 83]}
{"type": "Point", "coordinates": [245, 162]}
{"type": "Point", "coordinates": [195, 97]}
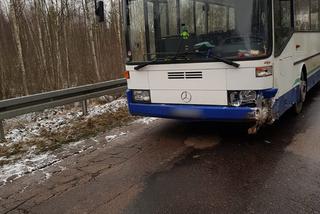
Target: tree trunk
{"type": "Point", "coordinates": [3, 82]}
{"type": "Point", "coordinates": [46, 80]}
{"type": "Point", "coordinates": [58, 52]}
{"type": "Point", "coordinates": [16, 31]}
{"type": "Point", "coordinates": [91, 40]}
{"type": "Point", "coordinates": [121, 29]}
{"type": "Point", "coordinates": [66, 25]}
{"type": "Point", "coordinates": [48, 45]}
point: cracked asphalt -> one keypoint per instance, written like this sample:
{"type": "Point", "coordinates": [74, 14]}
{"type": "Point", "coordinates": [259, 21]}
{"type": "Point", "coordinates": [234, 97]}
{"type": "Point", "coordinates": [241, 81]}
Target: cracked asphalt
{"type": "Point", "coordinates": [183, 167]}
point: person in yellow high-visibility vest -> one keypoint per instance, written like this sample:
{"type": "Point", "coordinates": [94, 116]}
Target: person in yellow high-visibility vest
{"type": "Point", "coordinates": [184, 33]}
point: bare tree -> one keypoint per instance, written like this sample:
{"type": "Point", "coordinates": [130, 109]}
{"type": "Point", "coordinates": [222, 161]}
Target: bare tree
{"type": "Point", "coordinates": [66, 26]}
{"type": "Point", "coordinates": [38, 24]}
{"type": "Point", "coordinates": [48, 42]}
{"type": "Point", "coordinates": [91, 39]}
{"type": "Point", "coordinates": [14, 7]}
{"type": "Point", "coordinates": [2, 76]}
{"type": "Point", "coordinates": [2, 71]}
{"type": "Point", "coordinates": [57, 43]}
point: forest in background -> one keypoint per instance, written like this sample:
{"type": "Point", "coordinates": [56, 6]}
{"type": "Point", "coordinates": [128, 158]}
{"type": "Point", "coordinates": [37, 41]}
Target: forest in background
{"type": "Point", "coordinates": [53, 44]}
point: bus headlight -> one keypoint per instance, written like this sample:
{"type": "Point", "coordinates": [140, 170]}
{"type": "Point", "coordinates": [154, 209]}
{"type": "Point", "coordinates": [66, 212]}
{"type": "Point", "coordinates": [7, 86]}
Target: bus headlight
{"type": "Point", "coordinates": [238, 98]}
{"type": "Point", "coordinates": [248, 97]}
{"type": "Point", "coordinates": [264, 71]}
{"type": "Point", "coordinates": [141, 96]}
{"type": "Point", "coordinates": [234, 99]}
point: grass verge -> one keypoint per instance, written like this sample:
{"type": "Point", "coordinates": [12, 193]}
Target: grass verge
{"type": "Point", "coordinates": [80, 129]}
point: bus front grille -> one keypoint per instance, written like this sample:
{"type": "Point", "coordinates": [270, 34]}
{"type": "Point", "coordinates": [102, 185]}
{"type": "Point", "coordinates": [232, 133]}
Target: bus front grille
{"type": "Point", "coordinates": [176, 75]}
{"type": "Point", "coordinates": [185, 75]}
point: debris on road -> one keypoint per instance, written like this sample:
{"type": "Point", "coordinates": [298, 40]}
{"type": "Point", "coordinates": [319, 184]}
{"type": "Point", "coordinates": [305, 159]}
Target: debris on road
{"type": "Point", "coordinates": [202, 142]}
{"type": "Point", "coordinates": [267, 142]}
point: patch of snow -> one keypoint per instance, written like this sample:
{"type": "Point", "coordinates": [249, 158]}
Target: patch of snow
{"type": "Point", "coordinates": [108, 107]}
{"type": "Point", "coordinates": [24, 188]}
{"type": "Point", "coordinates": [110, 138]}
{"type": "Point", "coordinates": [95, 140]}
{"type": "Point", "coordinates": [146, 120]}
{"type": "Point", "coordinates": [28, 164]}
{"type": "Point", "coordinates": [62, 168]}
{"type": "Point", "coordinates": [123, 133]}
{"type": "Point", "coordinates": [48, 175]}
{"type": "Point", "coordinates": [76, 143]}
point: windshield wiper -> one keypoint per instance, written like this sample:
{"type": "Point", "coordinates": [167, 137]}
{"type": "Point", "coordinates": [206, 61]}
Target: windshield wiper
{"type": "Point", "coordinates": [227, 61]}
{"type": "Point", "coordinates": [183, 54]}
{"type": "Point", "coordinates": [155, 61]}
{"type": "Point", "coordinates": [138, 67]}
{"type": "Point", "coordinates": [220, 59]}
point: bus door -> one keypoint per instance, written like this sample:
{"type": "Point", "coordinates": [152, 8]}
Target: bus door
{"type": "Point", "coordinates": [158, 25]}
{"type": "Point", "coordinates": [283, 26]}
{"type": "Point", "coordinates": [150, 29]}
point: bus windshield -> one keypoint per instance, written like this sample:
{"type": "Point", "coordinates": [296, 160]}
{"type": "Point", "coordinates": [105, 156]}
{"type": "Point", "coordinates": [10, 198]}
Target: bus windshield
{"type": "Point", "coordinates": [197, 30]}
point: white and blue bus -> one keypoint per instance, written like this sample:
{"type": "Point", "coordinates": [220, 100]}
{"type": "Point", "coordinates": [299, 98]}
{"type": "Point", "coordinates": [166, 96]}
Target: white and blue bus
{"type": "Point", "coordinates": [221, 60]}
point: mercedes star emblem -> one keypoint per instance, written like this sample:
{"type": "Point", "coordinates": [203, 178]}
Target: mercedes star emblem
{"type": "Point", "coordinates": [186, 97]}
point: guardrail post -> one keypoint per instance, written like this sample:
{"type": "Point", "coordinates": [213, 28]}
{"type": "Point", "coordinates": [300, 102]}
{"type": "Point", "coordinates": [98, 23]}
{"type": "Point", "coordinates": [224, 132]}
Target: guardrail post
{"type": "Point", "coordinates": [2, 136]}
{"type": "Point", "coordinates": [84, 105]}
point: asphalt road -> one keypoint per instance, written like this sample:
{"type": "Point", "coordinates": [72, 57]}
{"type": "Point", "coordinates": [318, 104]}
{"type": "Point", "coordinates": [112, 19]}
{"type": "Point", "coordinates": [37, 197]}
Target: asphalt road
{"type": "Point", "coordinates": [180, 167]}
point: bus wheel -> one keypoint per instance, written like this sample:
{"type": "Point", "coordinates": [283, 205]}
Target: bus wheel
{"type": "Point", "coordinates": [303, 94]}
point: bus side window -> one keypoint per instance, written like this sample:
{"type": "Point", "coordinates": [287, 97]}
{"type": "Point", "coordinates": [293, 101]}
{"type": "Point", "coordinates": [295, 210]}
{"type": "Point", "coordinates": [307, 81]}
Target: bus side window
{"type": "Point", "coordinates": [283, 24]}
{"type": "Point", "coordinates": [137, 30]}
{"type": "Point", "coordinates": [187, 15]}
{"type": "Point", "coordinates": [302, 15]}
{"type": "Point", "coordinates": [314, 15]}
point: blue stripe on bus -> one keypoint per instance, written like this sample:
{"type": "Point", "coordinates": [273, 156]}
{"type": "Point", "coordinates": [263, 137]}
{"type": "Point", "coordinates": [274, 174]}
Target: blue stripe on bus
{"type": "Point", "coordinates": [313, 79]}
{"type": "Point", "coordinates": [286, 101]}
{"type": "Point", "coordinates": [269, 93]}
{"type": "Point", "coordinates": [192, 112]}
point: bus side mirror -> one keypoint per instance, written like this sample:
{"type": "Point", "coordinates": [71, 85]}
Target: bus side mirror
{"type": "Point", "coordinates": [99, 11]}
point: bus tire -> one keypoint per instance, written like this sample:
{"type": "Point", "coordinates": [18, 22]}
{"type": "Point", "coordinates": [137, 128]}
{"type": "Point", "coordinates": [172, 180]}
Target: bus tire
{"type": "Point", "coordinates": [303, 94]}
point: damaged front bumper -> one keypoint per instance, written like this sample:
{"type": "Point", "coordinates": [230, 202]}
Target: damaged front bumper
{"type": "Point", "coordinates": [260, 114]}
{"type": "Point", "coordinates": [194, 112]}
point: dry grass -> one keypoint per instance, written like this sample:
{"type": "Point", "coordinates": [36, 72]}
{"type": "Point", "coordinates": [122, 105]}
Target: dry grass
{"type": "Point", "coordinates": [17, 124]}
{"type": "Point", "coordinates": [13, 150]}
{"type": "Point", "coordinates": [10, 151]}
{"type": "Point", "coordinates": [81, 129]}
{"type": "Point", "coordinates": [3, 162]}
{"type": "Point", "coordinates": [3, 151]}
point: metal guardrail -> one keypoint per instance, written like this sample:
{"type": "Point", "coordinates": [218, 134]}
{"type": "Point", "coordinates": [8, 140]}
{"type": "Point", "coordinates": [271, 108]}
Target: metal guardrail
{"type": "Point", "coordinates": [22, 105]}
